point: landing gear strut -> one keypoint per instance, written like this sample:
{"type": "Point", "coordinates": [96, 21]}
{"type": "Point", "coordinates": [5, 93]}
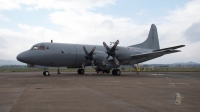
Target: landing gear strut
{"type": "Point", "coordinates": [58, 71]}
{"type": "Point", "coordinates": [81, 71]}
{"type": "Point", "coordinates": [46, 73]}
{"type": "Point", "coordinates": [133, 65]}
{"type": "Point", "coordinates": [116, 72]}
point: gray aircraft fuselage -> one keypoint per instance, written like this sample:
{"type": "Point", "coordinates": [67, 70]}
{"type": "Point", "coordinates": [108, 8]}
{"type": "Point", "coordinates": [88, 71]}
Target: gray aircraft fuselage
{"type": "Point", "coordinates": [102, 56]}
{"type": "Point", "coordinates": [72, 55]}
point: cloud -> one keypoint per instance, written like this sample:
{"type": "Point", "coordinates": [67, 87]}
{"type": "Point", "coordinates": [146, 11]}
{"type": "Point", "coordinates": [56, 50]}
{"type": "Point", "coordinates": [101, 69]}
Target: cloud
{"type": "Point", "coordinates": [193, 32]}
{"type": "Point", "coordinates": [9, 5]}
{"type": "Point", "coordinates": [79, 25]}
{"type": "Point", "coordinates": [3, 43]}
{"type": "Point", "coordinates": [4, 18]}
{"type": "Point", "coordinates": [54, 4]}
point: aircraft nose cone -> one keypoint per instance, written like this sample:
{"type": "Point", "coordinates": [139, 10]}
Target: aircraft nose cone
{"type": "Point", "coordinates": [20, 57]}
{"type": "Point", "coordinates": [23, 57]}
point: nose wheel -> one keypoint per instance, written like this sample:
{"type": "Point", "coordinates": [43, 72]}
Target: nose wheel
{"type": "Point", "coordinates": [46, 73]}
{"type": "Point", "coordinates": [116, 72]}
{"type": "Point", "coordinates": [81, 71]}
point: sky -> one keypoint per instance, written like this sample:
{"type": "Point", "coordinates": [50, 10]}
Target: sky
{"type": "Point", "coordinates": [24, 23]}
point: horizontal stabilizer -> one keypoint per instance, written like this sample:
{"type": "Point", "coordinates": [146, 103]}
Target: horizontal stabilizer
{"type": "Point", "coordinates": [163, 52]}
{"type": "Point", "coordinates": [170, 48]}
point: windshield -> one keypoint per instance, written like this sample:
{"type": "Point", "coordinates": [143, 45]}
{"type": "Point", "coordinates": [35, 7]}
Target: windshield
{"type": "Point", "coordinates": [38, 48]}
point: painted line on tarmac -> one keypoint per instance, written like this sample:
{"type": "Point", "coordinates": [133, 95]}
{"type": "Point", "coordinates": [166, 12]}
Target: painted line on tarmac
{"type": "Point", "coordinates": [173, 84]}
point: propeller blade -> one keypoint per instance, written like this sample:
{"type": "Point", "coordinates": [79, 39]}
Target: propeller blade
{"type": "Point", "coordinates": [92, 51]}
{"type": "Point", "coordinates": [105, 45]}
{"type": "Point", "coordinates": [92, 63]}
{"type": "Point", "coordinates": [85, 50]}
{"type": "Point", "coordinates": [107, 57]}
{"type": "Point", "coordinates": [116, 61]}
{"type": "Point", "coordinates": [115, 45]}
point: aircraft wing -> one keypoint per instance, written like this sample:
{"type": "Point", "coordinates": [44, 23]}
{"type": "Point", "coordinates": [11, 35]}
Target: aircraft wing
{"type": "Point", "coordinates": [157, 52]}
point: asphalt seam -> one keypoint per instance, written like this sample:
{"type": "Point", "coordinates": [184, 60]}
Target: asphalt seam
{"type": "Point", "coordinates": [18, 96]}
{"type": "Point", "coordinates": [117, 101]}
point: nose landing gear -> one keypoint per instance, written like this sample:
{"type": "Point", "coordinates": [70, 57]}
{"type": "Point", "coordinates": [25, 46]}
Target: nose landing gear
{"type": "Point", "coordinates": [81, 71]}
{"type": "Point", "coordinates": [46, 73]}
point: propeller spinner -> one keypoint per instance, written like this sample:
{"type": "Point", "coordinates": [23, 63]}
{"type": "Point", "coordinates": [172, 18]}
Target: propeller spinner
{"type": "Point", "coordinates": [111, 51]}
{"type": "Point", "coordinates": [88, 57]}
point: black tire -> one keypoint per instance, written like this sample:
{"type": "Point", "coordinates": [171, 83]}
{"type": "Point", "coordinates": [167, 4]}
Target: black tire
{"type": "Point", "coordinates": [46, 73]}
{"type": "Point", "coordinates": [117, 72]}
{"type": "Point", "coordinates": [82, 71]}
{"type": "Point", "coordinates": [78, 71]}
{"type": "Point", "coordinates": [114, 72]}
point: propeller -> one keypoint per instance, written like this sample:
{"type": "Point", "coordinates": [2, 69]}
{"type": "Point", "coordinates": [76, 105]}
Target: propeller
{"type": "Point", "coordinates": [88, 57]}
{"type": "Point", "coordinates": [111, 51]}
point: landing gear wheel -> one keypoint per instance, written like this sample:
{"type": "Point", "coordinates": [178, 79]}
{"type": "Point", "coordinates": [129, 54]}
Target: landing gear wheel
{"type": "Point", "coordinates": [116, 72]}
{"type": "Point", "coordinates": [81, 71]}
{"type": "Point", "coordinates": [46, 73]}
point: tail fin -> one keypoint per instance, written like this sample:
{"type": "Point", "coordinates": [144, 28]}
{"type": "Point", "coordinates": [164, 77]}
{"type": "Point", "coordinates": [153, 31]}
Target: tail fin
{"type": "Point", "coordinates": [152, 41]}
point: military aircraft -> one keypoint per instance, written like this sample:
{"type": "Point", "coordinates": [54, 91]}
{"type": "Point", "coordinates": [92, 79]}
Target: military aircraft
{"type": "Point", "coordinates": [102, 58]}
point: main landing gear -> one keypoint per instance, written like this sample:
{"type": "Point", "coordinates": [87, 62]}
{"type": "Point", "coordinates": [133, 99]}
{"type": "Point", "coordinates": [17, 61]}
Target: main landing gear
{"type": "Point", "coordinates": [81, 71]}
{"type": "Point", "coordinates": [116, 72]}
{"type": "Point", "coordinates": [46, 73]}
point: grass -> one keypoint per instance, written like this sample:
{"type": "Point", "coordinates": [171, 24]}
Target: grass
{"type": "Point", "coordinates": [92, 70]}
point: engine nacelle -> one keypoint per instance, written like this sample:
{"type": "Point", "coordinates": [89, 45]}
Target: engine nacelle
{"type": "Point", "coordinates": [99, 56]}
{"type": "Point", "coordinates": [109, 66]}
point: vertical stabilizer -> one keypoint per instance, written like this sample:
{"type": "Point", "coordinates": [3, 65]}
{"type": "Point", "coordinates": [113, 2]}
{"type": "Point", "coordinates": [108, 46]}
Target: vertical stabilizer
{"type": "Point", "coordinates": [152, 41]}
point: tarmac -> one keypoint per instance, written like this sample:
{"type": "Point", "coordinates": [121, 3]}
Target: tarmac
{"type": "Point", "coordinates": [91, 92]}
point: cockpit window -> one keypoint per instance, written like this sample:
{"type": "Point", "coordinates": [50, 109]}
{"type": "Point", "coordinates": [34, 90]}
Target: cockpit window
{"type": "Point", "coordinates": [35, 48]}
{"type": "Point", "coordinates": [38, 48]}
{"type": "Point", "coordinates": [41, 48]}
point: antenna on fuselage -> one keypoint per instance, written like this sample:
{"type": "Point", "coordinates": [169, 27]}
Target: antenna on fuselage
{"type": "Point", "coordinates": [51, 41]}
